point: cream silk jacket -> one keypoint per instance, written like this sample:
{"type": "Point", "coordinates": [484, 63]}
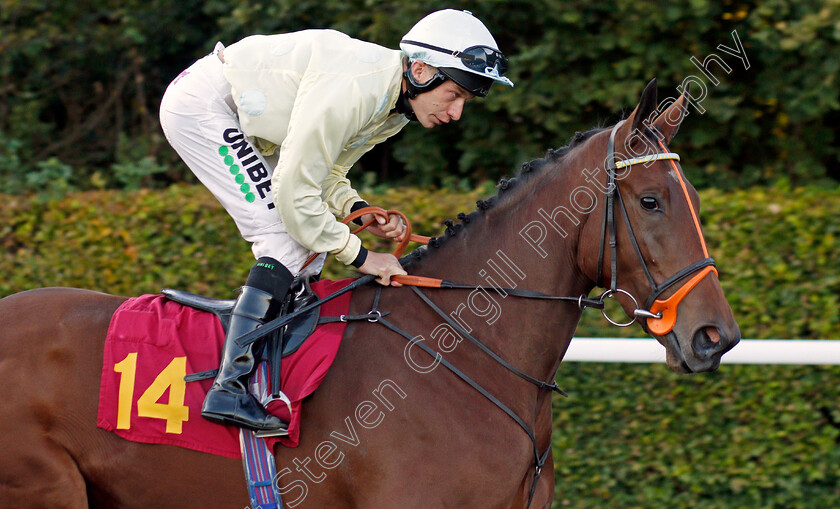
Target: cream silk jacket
{"type": "Point", "coordinates": [324, 99]}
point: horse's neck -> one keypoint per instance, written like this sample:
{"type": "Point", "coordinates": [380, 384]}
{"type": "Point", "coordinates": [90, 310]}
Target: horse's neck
{"type": "Point", "coordinates": [531, 334]}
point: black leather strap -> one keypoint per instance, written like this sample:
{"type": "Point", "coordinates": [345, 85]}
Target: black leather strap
{"type": "Point", "coordinates": [528, 294]}
{"type": "Point", "coordinates": [201, 375]}
{"type": "Point", "coordinates": [539, 460]}
{"type": "Point", "coordinates": [671, 281]}
{"type": "Point", "coordinates": [612, 188]}
{"type": "Point", "coordinates": [247, 339]}
{"type": "Point", "coordinates": [460, 330]}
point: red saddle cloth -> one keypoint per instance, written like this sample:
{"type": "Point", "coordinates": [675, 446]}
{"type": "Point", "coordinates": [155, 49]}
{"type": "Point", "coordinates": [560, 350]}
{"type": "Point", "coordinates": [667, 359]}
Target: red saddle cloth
{"type": "Point", "coordinates": [152, 343]}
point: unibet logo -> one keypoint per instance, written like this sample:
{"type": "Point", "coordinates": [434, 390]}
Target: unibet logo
{"type": "Point", "coordinates": [248, 170]}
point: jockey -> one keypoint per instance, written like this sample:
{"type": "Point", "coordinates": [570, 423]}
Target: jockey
{"type": "Point", "coordinates": [272, 124]}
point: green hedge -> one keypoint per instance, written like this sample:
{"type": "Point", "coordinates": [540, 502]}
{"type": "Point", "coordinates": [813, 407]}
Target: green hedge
{"type": "Point", "coordinates": [629, 435]}
{"type": "Point", "coordinates": [777, 249]}
{"type": "Point", "coordinates": [746, 436]}
{"type": "Point", "coordinates": [134, 242]}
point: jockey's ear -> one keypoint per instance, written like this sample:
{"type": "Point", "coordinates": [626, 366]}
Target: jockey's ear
{"type": "Point", "coordinates": [668, 123]}
{"type": "Point", "coordinates": [422, 72]}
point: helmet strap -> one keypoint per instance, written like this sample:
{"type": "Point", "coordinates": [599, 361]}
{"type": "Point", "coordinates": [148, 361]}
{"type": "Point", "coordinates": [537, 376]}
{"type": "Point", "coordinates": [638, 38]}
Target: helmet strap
{"type": "Point", "coordinates": [404, 107]}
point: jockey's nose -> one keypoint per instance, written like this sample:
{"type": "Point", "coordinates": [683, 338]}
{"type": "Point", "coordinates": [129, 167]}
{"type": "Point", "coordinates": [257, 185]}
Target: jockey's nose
{"type": "Point", "coordinates": [456, 109]}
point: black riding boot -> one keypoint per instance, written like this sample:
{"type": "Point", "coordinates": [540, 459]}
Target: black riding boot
{"type": "Point", "coordinates": [229, 400]}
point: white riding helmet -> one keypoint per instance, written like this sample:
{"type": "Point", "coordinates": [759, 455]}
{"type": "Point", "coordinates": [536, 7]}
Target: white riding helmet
{"type": "Point", "coordinates": [460, 47]}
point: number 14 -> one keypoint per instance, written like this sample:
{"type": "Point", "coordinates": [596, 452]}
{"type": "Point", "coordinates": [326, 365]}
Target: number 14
{"type": "Point", "coordinates": [172, 378]}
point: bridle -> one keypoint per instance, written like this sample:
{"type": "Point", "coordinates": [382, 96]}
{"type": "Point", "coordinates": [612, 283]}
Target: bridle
{"type": "Point", "coordinates": [660, 315]}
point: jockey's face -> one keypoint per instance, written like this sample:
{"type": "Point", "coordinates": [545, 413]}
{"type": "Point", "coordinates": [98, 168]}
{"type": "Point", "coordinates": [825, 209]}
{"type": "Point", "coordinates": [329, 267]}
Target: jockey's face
{"type": "Point", "coordinates": [440, 105]}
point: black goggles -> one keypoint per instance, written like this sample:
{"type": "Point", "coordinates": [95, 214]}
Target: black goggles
{"type": "Point", "coordinates": [477, 58]}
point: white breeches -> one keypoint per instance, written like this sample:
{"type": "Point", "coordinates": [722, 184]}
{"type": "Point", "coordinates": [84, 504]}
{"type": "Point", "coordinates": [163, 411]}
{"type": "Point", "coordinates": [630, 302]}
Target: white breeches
{"type": "Point", "coordinates": [199, 119]}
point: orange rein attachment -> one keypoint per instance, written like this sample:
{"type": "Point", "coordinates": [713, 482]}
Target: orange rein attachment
{"type": "Point", "coordinates": [398, 252]}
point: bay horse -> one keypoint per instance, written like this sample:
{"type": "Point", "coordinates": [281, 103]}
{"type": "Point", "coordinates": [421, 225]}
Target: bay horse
{"type": "Point", "coordinates": [391, 425]}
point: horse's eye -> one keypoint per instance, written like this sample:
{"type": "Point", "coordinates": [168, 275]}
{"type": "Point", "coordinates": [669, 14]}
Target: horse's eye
{"type": "Point", "coordinates": [649, 203]}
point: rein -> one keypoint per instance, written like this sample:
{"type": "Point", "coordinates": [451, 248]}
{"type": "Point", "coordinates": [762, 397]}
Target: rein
{"type": "Point", "coordinates": [427, 282]}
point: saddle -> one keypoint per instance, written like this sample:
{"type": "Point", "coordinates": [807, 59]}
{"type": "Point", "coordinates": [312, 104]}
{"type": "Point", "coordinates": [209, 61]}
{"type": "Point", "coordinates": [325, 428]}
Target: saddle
{"type": "Point", "coordinates": [278, 343]}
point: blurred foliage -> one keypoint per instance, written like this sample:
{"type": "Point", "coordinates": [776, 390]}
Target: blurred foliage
{"type": "Point", "coordinates": [81, 83]}
{"type": "Point", "coordinates": [776, 248]}
{"type": "Point", "coordinates": [122, 242]}
{"type": "Point", "coordinates": [629, 436]}
{"type": "Point", "coordinates": [639, 436]}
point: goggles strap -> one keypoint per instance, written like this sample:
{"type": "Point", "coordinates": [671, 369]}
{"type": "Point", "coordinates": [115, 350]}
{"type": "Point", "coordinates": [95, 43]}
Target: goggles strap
{"type": "Point", "coordinates": [404, 107]}
{"type": "Point", "coordinates": [414, 88]}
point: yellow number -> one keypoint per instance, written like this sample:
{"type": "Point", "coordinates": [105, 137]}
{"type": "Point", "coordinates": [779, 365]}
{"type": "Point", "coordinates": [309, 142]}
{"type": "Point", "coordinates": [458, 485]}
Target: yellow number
{"type": "Point", "coordinates": [175, 413]}
{"type": "Point", "coordinates": [172, 378]}
{"type": "Point", "coordinates": [127, 369]}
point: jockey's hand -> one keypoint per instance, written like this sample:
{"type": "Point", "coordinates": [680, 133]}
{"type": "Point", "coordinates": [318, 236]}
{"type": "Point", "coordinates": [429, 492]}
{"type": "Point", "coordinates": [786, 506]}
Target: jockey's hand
{"type": "Point", "coordinates": [383, 265]}
{"type": "Point", "coordinates": [393, 229]}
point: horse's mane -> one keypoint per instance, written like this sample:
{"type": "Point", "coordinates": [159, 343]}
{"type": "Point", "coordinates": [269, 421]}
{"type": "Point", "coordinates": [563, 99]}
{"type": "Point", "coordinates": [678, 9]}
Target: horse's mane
{"type": "Point", "coordinates": [528, 172]}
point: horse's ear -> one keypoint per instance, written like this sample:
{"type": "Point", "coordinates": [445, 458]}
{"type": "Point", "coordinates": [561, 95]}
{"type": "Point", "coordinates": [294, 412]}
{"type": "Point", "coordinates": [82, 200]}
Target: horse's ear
{"type": "Point", "coordinates": [668, 123]}
{"type": "Point", "coordinates": [641, 115]}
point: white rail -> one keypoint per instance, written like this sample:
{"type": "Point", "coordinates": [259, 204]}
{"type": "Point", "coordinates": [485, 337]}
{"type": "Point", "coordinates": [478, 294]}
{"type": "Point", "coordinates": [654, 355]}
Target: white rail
{"type": "Point", "coordinates": [748, 351]}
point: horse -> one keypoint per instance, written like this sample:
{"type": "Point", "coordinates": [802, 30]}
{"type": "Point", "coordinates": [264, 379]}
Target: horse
{"type": "Point", "coordinates": [413, 414]}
